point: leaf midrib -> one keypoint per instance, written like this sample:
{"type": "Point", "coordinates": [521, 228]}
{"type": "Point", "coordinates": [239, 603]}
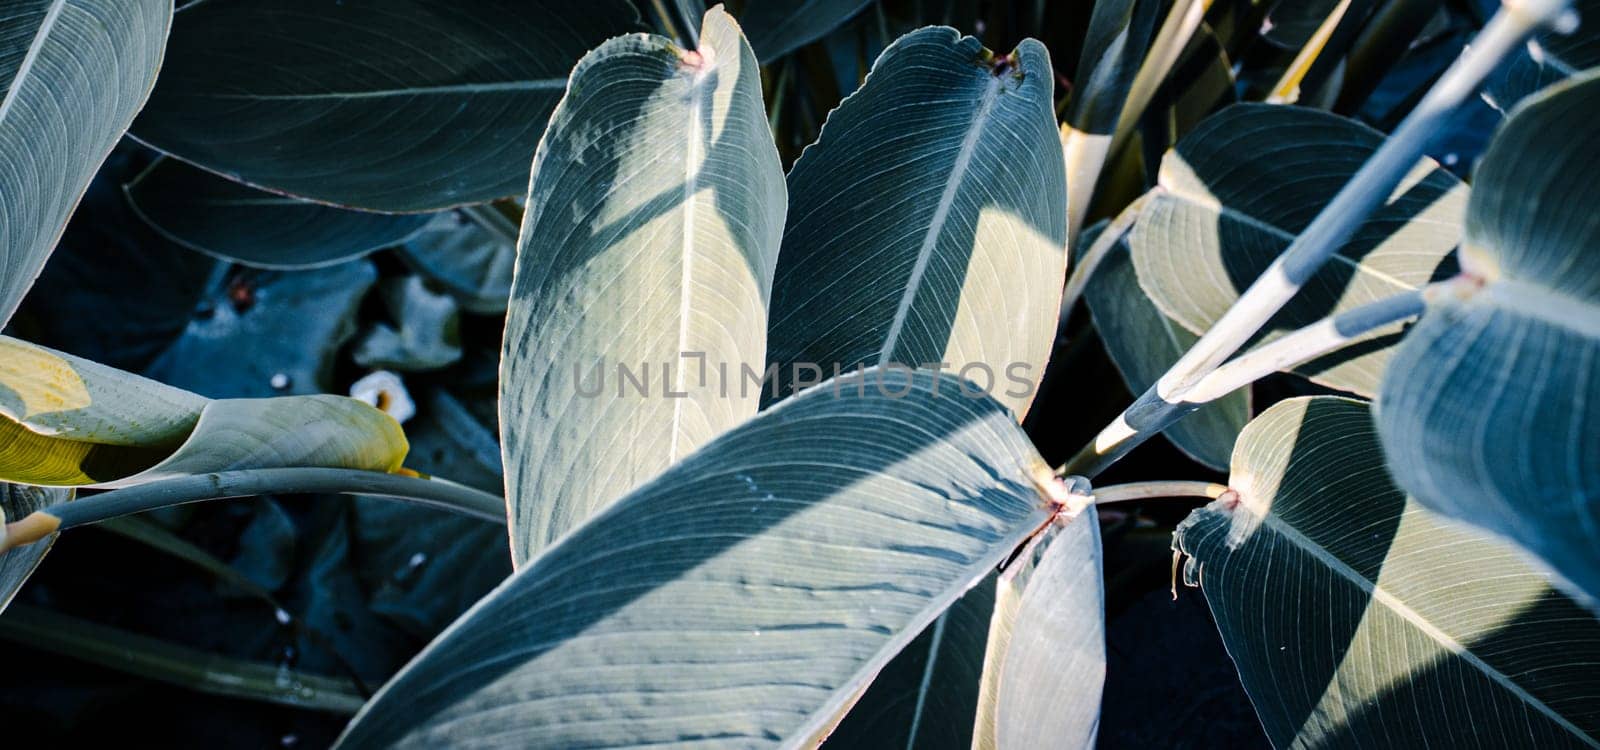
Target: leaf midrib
{"type": "Point", "coordinates": [941, 215]}
{"type": "Point", "coordinates": [1414, 618]}
{"type": "Point", "coordinates": [693, 154]}
{"type": "Point", "coordinates": [532, 84]}
{"type": "Point", "coordinates": [34, 50]}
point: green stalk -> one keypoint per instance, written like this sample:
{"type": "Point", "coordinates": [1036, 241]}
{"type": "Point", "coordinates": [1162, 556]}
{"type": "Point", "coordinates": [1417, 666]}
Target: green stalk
{"type": "Point", "coordinates": [159, 660]}
{"type": "Point", "coordinates": [436, 493]}
{"type": "Point", "coordinates": [1334, 226]}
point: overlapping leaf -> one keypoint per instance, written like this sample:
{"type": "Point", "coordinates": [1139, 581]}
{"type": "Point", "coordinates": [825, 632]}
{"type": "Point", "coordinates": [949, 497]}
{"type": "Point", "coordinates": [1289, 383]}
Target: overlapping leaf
{"type": "Point", "coordinates": [927, 697]}
{"type": "Point", "coordinates": [1235, 192]}
{"type": "Point", "coordinates": [1019, 662]}
{"type": "Point", "coordinates": [1143, 343]}
{"type": "Point", "coordinates": [472, 258]}
{"type": "Point", "coordinates": [1548, 59]}
{"type": "Point", "coordinates": [1114, 47]}
{"type": "Point", "coordinates": [746, 595]}
{"type": "Point", "coordinates": [72, 75]}
{"type": "Point", "coordinates": [928, 224]}
{"type": "Point", "coordinates": [394, 105]}
{"type": "Point", "coordinates": [778, 27]}
{"type": "Point", "coordinates": [1357, 618]}
{"type": "Point", "coordinates": [234, 222]}
{"type": "Point", "coordinates": [1046, 661]}
{"type": "Point", "coordinates": [71, 422]}
{"type": "Point", "coordinates": [1490, 411]}
{"type": "Point", "coordinates": [650, 248]}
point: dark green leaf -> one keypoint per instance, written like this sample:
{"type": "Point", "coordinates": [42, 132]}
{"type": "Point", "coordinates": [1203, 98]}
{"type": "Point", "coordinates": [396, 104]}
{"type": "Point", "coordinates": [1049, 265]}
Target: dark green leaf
{"type": "Point", "coordinates": [1359, 619]}
{"type": "Point", "coordinates": [928, 224]}
{"type": "Point", "coordinates": [223, 218]}
{"type": "Point", "coordinates": [778, 27]}
{"type": "Point", "coordinates": [1491, 409]}
{"type": "Point", "coordinates": [393, 105]}
{"type": "Point", "coordinates": [258, 325]}
{"type": "Point", "coordinates": [748, 594]}
{"type": "Point", "coordinates": [1236, 191]}
{"type": "Point", "coordinates": [73, 73]}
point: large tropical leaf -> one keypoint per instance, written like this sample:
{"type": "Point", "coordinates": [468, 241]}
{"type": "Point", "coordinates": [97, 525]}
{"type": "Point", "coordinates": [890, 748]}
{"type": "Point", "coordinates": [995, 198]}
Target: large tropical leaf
{"type": "Point", "coordinates": [1491, 410]}
{"type": "Point", "coordinates": [72, 75]}
{"type": "Point", "coordinates": [219, 217]}
{"type": "Point", "coordinates": [114, 290]}
{"type": "Point", "coordinates": [1143, 343]}
{"type": "Point", "coordinates": [1357, 618]}
{"type": "Point", "coordinates": [1046, 661]}
{"type": "Point", "coordinates": [928, 224]}
{"type": "Point", "coordinates": [1235, 192]}
{"type": "Point", "coordinates": [65, 421]}
{"type": "Point", "coordinates": [747, 595]}
{"type": "Point", "coordinates": [395, 105]}
{"type": "Point", "coordinates": [652, 249]}
{"type": "Point", "coordinates": [778, 27]}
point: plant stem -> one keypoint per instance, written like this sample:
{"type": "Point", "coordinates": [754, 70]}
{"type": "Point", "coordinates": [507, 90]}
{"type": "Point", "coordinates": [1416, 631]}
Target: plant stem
{"type": "Point", "coordinates": [436, 493]}
{"type": "Point", "coordinates": [177, 665]}
{"type": "Point", "coordinates": [1151, 414]}
{"type": "Point", "coordinates": [489, 217]}
{"type": "Point", "coordinates": [1091, 259]}
{"type": "Point", "coordinates": [1334, 226]}
{"type": "Point", "coordinates": [1118, 493]}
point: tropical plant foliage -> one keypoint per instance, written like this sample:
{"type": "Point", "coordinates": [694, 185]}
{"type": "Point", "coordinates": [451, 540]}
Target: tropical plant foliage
{"type": "Point", "coordinates": [756, 331]}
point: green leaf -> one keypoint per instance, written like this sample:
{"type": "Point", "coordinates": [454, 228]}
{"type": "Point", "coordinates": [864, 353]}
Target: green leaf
{"type": "Point", "coordinates": [267, 333]}
{"type": "Point", "coordinates": [1359, 619]}
{"type": "Point", "coordinates": [1017, 662]}
{"type": "Point", "coordinates": [642, 249]}
{"type": "Point", "coordinates": [471, 257]}
{"type": "Point", "coordinates": [70, 422]}
{"type": "Point", "coordinates": [927, 697]}
{"type": "Point", "coordinates": [1235, 192]}
{"type": "Point", "coordinates": [1491, 411]}
{"type": "Point", "coordinates": [204, 212]}
{"type": "Point", "coordinates": [1114, 46]}
{"type": "Point", "coordinates": [1046, 661]}
{"type": "Point", "coordinates": [72, 75]}
{"type": "Point", "coordinates": [1548, 59]}
{"type": "Point", "coordinates": [746, 595]}
{"type": "Point", "coordinates": [778, 27]}
{"type": "Point", "coordinates": [1143, 343]}
{"type": "Point", "coordinates": [16, 502]}
{"type": "Point", "coordinates": [391, 105]}
{"type": "Point", "coordinates": [928, 223]}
